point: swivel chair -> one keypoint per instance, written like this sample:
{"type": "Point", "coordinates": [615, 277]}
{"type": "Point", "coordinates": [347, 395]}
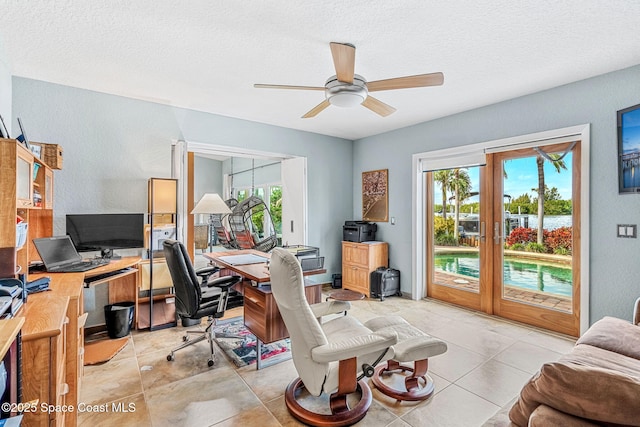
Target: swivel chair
{"type": "Point", "coordinates": [329, 358]}
{"type": "Point", "coordinates": [197, 299]}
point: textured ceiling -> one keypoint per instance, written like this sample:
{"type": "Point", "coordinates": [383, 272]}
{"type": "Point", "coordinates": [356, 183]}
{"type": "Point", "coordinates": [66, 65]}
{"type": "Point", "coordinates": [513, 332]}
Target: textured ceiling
{"type": "Point", "coordinates": [206, 55]}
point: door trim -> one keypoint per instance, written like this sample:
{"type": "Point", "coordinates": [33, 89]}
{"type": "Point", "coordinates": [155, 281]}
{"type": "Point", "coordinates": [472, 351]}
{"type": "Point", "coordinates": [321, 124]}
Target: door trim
{"type": "Point", "coordinates": [419, 217]}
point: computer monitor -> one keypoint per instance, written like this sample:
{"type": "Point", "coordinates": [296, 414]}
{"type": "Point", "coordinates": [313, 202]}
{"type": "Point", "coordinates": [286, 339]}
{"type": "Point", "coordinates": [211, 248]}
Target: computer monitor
{"type": "Point", "coordinates": [97, 232]}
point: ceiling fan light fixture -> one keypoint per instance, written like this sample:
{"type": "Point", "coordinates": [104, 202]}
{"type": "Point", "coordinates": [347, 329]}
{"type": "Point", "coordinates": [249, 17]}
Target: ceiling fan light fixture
{"type": "Point", "coordinates": [343, 94]}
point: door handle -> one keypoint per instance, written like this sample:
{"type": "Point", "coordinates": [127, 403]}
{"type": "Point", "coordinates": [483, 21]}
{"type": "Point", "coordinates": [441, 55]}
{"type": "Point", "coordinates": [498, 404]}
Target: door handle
{"type": "Point", "coordinates": [482, 231]}
{"type": "Point", "coordinates": [496, 233]}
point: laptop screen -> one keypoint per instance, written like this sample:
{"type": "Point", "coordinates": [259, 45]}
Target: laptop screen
{"type": "Point", "coordinates": [56, 251]}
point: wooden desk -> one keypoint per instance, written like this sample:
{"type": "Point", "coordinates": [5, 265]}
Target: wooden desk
{"type": "Point", "coordinates": [46, 352]}
{"type": "Point", "coordinates": [123, 286]}
{"type": "Point", "coordinates": [53, 337]}
{"type": "Point", "coordinates": [258, 272]}
{"type": "Point", "coordinates": [261, 314]}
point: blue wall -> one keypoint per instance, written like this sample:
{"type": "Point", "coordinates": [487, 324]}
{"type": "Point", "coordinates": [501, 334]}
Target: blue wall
{"type": "Point", "coordinates": [112, 145]}
{"type": "Point", "coordinates": [615, 271]}
{"type": "Point", "coordinates": [5, 89]}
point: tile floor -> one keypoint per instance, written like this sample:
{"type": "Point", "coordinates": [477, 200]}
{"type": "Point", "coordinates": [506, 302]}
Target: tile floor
{"type": "Point", "coordinates": [487, 363]}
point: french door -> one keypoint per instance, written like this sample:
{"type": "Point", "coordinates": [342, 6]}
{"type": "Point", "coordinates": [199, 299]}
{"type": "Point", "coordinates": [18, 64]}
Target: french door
{"type": "Point", "coordinates": [484, 250]}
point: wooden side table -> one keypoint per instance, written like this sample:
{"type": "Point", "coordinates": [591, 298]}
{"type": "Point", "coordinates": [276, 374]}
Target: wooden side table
{"type": "Point", "coordinates": [345, 295]}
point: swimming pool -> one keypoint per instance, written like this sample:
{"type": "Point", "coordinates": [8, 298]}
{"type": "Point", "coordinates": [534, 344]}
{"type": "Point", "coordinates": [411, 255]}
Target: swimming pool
{"type": "Point", "coordinates": [545, 277]}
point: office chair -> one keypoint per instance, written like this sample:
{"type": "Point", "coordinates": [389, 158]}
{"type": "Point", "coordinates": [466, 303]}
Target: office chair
{"type": "Point", "coordinates": [197, 299]}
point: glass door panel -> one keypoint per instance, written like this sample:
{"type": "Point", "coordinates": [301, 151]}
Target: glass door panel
{"type": "Point", "coordinates": [456, 234]}
{"type": "Point", "coordinates": [535, 278]}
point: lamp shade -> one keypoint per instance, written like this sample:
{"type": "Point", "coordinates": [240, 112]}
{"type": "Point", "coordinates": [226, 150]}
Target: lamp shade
{"type": "Point", "coordinates": [211, 203]}
{"type": "Point", "coordinates": [163, 195]}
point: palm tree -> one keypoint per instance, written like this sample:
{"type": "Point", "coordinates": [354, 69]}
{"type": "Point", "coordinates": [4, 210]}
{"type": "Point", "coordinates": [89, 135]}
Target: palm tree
{"type": "Point", "coordinates": [443, 177]}
{"type": "Point", "coordinates": [460, 184]}
{"type": "Point", "coordinates": [558, 164]}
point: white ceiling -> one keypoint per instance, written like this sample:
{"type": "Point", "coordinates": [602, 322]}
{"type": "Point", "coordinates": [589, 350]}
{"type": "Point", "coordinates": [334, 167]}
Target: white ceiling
{"type": "Point", "coordinates": [205, 55]}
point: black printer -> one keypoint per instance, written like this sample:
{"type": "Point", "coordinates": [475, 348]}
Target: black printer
{"type": "Point", "coordinates": [359, 231]}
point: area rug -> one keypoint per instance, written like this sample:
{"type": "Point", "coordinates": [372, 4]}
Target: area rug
{"type": "Point", "coordinates": [101, 351]}
{"type": "Point", "coordinates": [242, 351]}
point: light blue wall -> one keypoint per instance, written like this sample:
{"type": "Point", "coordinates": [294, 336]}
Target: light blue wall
{"type": "Point", "coordinates": [615, 270]}
{"type": "Point", "coordinates": [112, 145]}
{"type": "Point", "coordinates": [5, 89]}
{"type": "Point", "coordinates": [207, 177]}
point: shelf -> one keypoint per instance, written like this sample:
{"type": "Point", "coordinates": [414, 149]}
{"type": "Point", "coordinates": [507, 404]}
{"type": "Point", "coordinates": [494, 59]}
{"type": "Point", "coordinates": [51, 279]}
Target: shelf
{"type": "Point", "coordinates": [158, 297]}
{"type": "Point", "coordinates": [107, 277]}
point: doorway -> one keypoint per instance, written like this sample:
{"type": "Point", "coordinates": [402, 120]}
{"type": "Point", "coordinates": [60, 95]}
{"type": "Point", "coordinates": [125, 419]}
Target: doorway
{"type": "Point", "coordinates": [481, 244]}
{"type": "Point", "coordinates": [294, 210]}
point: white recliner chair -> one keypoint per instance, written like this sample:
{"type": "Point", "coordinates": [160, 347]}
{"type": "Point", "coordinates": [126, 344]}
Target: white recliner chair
{"type": "Point", "coordinates": [334, 356]}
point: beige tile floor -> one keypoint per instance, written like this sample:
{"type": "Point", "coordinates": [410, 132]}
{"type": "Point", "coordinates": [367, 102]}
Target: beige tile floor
{"type": "Point", "coordinates": [487, 363]}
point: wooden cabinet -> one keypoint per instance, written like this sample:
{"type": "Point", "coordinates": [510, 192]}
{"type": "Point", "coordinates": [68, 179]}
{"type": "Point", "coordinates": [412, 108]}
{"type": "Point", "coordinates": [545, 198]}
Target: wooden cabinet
{"type": "Point", "coordinates": [359, 260]}
{"type": "Point", "coordinates": [53, 348]}
{"type": "Point", "coordinates": [44, 357]}
{"type": "Point", "coordinates": [26, 185]}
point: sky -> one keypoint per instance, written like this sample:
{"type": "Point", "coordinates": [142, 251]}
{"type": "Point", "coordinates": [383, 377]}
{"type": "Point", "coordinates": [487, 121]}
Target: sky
{"type": "Point", "coordinates": [631, 131]}
{"type": "Point", "coordinates": [522, 176]}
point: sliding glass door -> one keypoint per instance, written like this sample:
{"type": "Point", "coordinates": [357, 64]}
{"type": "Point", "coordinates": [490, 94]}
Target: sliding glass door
{"type": "Point", "coordinates": [503, 238]}
{"type": "Point", "coordinates": [536, 243]}
{"type": "Point", "coordinates": [457, 230]}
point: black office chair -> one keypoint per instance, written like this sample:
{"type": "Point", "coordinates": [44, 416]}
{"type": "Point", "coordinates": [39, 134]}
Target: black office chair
{"type": "Point", "coordinates": [197, 299]}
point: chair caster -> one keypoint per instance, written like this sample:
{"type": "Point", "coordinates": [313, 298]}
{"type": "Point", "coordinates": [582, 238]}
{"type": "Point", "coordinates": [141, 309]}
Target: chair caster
{"type": "Point", "coordinates": [171, 357]}
{"type": "Point", "coordinates": [210, 362]}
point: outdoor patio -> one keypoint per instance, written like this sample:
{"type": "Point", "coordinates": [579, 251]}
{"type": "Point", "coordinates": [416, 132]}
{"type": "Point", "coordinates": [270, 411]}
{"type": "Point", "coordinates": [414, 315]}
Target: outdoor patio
{"type": "Point", "coordinates": [556, 302]}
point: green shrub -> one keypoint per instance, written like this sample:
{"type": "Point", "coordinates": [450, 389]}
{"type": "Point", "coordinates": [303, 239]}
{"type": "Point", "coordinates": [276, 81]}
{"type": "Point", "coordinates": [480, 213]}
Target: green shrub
{"type": "Point", "coordinates": [535, 247]}
{"type": "Point", "coordinates": [446, 240]}
{"type": "Point", "coordinates": [442, 227]}
{"type": "Point", "coordinates": [517, 247]}
{"type": "Point", "coordinates": [561, 251]}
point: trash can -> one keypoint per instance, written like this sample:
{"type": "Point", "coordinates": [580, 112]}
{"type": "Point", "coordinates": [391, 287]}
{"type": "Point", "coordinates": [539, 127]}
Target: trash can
{"type": "Point", "coordinates": [336, 282]}
{"type": "Point", "coordinates": [119, 318]}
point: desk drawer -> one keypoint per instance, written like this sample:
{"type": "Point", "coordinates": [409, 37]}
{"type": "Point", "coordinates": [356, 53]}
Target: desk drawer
{"type": "Point", "coordinates": [255, 308]}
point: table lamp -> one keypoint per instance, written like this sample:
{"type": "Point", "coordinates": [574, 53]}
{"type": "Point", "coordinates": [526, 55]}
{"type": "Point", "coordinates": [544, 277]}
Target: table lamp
{"type": "Point", "coordinates": [211, 203]}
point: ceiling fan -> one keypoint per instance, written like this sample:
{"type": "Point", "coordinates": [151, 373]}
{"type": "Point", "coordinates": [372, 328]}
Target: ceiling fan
{"type": "Point", "coordinates": [347, 89]}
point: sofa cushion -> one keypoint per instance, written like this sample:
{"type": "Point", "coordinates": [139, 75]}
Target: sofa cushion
{"type": "Point", "coordinates": [615, 335]}
{"type": "Point", "coordinates": [590, 392]}
{"type": "Point", "coordinates": [544, 416]}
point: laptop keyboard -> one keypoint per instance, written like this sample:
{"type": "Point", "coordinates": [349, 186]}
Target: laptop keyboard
{"type": "Point", "coordinates": [84, 265]}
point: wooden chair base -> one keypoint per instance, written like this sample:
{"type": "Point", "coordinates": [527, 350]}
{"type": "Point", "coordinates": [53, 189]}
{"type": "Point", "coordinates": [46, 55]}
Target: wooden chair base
{"type": "Point", "coordinates": [341, 414]}
{"type": "Point", "coordinates": [418, 385]}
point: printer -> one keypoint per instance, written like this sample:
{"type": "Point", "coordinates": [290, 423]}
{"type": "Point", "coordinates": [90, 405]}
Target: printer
{"type": "Point", "coordinates": [359, 231]}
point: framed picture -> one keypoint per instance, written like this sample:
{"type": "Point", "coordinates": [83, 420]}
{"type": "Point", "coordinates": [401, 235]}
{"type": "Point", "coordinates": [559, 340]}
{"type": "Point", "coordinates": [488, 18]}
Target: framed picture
{"type": "Point", "coordinates": [4, 133]}
{"type": "Point", "coordinates": [375, 195]}
{"type": "Point", "coordinates": [629, 150]}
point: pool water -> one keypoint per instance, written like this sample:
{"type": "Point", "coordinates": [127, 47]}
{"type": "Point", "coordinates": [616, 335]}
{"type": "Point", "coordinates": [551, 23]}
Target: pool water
{"type": "Point", "coordinates": [551, 278]}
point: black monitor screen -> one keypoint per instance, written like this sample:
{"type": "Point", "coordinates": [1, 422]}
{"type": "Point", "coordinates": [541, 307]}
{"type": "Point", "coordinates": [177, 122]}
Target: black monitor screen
{"type": "Point", "coordinates": [94, 232]}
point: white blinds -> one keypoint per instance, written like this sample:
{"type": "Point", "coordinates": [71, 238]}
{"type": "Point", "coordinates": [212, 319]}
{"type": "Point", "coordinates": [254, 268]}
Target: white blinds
{"type": "Point", "coordinates": [453, 160]}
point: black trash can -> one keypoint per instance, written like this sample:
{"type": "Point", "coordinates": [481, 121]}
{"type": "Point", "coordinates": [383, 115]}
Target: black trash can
{"type": "Point", "coordinates": [336, 282]}
{"type": "Point", "coordinates": [119, 318]}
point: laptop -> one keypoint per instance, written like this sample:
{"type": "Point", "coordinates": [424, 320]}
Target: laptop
{"type": "Point", "coordinates": [59, 255]}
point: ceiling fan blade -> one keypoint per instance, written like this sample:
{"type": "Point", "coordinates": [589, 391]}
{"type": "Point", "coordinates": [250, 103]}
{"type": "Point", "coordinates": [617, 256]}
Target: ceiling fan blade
{"type": "Point", "coordinates": [378, 106]}
{"type": "Point", "coordinates": [263, 86]}
{"type": "Point", "coordinates": [420, 80]}
{"type": "Point", "coordinates": [344, 60]}
{"type": "Point", "coordinates": [315, 110]}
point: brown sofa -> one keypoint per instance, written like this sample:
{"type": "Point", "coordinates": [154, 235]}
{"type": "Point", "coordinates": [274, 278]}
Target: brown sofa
{"type": "Point", "coordinates": [597, 383]}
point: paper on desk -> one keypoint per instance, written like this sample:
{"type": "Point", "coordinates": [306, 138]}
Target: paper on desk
{"type": "Point", "coordinates": [243, 259]}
